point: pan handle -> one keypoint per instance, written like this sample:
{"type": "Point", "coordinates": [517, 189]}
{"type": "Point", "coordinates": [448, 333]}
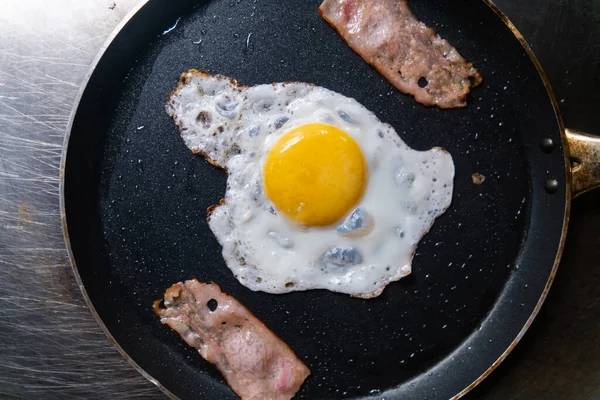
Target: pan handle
{"type": "Point", "coordinates": [585, 161]}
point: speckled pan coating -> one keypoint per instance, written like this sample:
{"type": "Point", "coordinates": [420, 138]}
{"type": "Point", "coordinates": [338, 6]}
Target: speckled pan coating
{"type": "Point", "coordinates": [136, 200]}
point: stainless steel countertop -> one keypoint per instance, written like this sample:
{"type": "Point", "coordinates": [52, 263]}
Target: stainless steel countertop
{"type": "Point", "coordinates": [50, 345]}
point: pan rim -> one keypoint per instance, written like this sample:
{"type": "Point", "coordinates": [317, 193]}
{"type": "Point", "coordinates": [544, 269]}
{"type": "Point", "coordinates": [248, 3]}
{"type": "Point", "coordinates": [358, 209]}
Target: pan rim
{"type": "Point", "coordinates": [568, 180]}
{"type": "Point", "coordinates": [61, 190]}
{"type": "Point", "coordinates": [156, 382]}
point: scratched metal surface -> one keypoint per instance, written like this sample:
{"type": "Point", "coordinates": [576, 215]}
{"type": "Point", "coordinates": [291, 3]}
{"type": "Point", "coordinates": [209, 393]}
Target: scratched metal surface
{"type": "Point", "coordinates": [50, 345]}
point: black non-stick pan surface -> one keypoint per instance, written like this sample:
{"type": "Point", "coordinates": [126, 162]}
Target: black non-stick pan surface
{"type": "Point", "coordinates": [135, 200]}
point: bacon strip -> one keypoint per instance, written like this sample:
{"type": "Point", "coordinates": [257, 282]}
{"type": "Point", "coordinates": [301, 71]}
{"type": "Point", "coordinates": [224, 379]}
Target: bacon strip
{"type": "Point", "coordinates": [412, 57]}
{"type": "Point", "coordinates": [255, 363]}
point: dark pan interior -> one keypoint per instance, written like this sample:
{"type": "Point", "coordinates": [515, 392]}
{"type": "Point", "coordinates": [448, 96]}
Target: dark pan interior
{"type": "Point", "coordinates": [136, 200]}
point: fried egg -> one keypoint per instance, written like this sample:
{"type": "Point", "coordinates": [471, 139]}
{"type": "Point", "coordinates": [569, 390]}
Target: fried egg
{"type": "Point", "coordinates": [320, 193]}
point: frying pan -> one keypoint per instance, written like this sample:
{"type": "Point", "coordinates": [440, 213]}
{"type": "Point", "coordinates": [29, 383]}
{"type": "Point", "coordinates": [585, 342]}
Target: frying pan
{"type": "Point", "coordinates": [134, 199]}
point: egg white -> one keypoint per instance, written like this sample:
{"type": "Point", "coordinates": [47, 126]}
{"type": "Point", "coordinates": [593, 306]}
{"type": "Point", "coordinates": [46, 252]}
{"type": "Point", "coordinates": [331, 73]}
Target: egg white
{"type": "Point", "coordinates": [235, 126]}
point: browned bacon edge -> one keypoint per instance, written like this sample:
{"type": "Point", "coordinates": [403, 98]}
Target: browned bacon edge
{"type": "Point", "coordinates": [409, 54]}
{"type": "Point", "coordinates": [253, 360]}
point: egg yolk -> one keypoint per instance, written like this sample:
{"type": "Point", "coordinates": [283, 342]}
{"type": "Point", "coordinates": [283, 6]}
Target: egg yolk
{"type": "Point", "coordinates": [315, 174]}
